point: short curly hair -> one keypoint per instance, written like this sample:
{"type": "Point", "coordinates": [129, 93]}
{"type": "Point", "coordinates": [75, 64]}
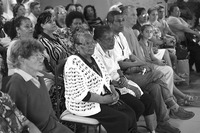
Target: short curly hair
{"type": "Point", "coordinates": [73, 15]}
{"type": "Point", "coordinates": [24, 48]}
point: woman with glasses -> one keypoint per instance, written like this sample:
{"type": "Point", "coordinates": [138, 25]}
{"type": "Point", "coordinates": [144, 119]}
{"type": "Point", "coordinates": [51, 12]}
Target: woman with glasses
{"type": "Point", "coordinates": [88, 91]}
{"type": "Point", "coordinates": [60, 16]}
{"type": "Point", "coordinates": [27, 88]}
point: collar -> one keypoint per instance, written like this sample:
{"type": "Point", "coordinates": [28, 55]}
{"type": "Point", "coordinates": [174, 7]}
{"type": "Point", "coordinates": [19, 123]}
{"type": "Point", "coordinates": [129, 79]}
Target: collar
{"type": "Point", "coordinates": [27, 77]}
{"type": "Point", "coordinates": [100, 50]}
{"type": "Point", "coordinates": [48, 37]}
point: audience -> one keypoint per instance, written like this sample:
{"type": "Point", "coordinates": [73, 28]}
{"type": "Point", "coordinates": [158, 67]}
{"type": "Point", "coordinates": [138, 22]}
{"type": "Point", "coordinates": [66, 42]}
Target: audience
{"type": "Point", "coordinates": [128, 77]}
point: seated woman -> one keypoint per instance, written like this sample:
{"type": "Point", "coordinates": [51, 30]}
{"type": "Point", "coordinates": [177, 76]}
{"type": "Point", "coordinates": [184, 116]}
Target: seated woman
{"type": "Point", "coordinates": [27, 88]}
{"type": "Point", "coordinates": [88, 91]}
{"type": "Point", "coordinates": [11, 119]}
{"type": "Point", "coordinates": [91, 16]}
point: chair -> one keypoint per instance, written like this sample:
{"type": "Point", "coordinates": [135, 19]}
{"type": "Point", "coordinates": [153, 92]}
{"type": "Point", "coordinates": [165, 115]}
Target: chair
{"type": "Point", "coordinates": [69, 117]}
{"type": "Point", "coordinates": [66, 115]}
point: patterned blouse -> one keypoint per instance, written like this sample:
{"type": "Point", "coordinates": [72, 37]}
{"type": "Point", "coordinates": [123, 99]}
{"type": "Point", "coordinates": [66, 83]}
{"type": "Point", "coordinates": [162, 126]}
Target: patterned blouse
{"type": "Point", "coordinates": [11, 119]}
{"type": "Point", "coordinates": [56, 48]}
{"type": "Point", "coordinates": [79, 79]}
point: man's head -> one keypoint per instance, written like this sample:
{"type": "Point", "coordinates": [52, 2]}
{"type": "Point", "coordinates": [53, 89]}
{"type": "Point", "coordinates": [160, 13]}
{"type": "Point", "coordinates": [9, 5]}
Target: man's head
{"type": "Point", "coordinates": [115, 20]}
{"type": "Point", "coordinates": [142, 15]}
{"type": "Point", "coordinates": [174, 11]}
{"type": "Point", "coordinates": [130, 15]}
{"type": "Point", "coordinates": [35, 8]}
{"type": "Point", "coordinates": [161, 11]}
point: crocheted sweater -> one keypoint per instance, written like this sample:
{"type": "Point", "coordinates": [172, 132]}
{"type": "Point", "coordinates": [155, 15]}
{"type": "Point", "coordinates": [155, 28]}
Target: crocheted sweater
{"type": "Point", "coordinates": [80, 79]}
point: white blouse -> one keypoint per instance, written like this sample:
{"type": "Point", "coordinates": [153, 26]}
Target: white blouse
{"type": "Point", "coordinates": [79, 79]}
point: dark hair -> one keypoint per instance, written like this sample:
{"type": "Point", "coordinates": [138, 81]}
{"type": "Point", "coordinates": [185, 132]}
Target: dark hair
{"type": "Point", "coordinates": [33, 4]}
{"type": "Point", "coordinates": [17, 23]}
{"type": "Point", "coordinates": [42, 19]}
{"type": "Point", "coordinates": [24, 48]}
{"type": "Point", "coordinates": [78, 4]}
{"type": "Point", "coordinates": [171, 9]}
{"type": "Point", "coordinates": [15, 9]}
{"type": "Point", "coordinates": [71, 16]}
{"type": "Point", "coordinates": [100, 31]}
{"type": "Point", "coordinates": [140, 10]}
{"type": "Point", "coordinates": [111, 15]}
{"type": "Point", "coordinates": [85, 11]}
{"type": "Point", "coordinates": [142, 30]}
{"type": "Point", "coordinates": [67, 7]}
{"type": "Point", "coordinates": [48, 7]}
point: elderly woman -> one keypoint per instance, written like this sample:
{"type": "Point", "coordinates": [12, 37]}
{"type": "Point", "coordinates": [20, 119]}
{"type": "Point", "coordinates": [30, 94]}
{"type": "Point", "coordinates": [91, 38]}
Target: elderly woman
{"type": "Point", "coordinates": [88, 91]}
{"type": "Point", "coordinates": [60, 16]}
{"type": "Point", "coordinates": [27, 87]}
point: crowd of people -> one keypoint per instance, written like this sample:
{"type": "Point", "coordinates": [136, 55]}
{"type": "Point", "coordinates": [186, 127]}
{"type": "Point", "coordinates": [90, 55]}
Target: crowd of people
{"type": "Point", "coordinates": [115, 69]}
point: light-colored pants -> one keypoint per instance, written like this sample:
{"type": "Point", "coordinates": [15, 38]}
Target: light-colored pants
{"type": "Point", "coordinates": [168, 76]}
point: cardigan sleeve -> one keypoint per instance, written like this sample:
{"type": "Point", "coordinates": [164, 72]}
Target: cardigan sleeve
{"type": "Point", "coordinates": [75, 84]}
{"type": "Point", "coordinates": [18, 94]}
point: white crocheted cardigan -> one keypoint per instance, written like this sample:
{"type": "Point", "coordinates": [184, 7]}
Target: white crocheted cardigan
{"type": "Point", "coordinates": [80, 79]}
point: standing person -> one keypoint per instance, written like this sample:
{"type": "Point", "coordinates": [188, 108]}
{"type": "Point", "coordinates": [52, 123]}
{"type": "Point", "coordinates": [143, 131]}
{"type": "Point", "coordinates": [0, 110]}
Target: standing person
{"type": "Point", "coordinates": [88, 91]}
{"type": "Point", "coordinates": [35, 12]}
{"type": "Point", "coordinates": [27, 88]}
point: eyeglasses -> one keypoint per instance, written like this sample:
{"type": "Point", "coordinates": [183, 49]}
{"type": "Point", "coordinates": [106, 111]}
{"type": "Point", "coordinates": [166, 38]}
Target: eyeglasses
{"type": "Point", "coordinates": [62, 13]}
{"type": "Point", "coordinates": [93, 43]}
{"type": "Point", "coordinates": [39, 56]}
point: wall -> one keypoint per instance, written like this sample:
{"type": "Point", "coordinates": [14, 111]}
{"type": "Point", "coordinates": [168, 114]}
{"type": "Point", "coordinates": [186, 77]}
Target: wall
{"type": "Point", "coordinates": [53, 3]}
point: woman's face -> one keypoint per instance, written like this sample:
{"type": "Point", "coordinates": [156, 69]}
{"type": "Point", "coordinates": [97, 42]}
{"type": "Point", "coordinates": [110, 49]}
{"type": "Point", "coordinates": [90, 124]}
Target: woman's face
{"type": "Point", "coordinates": [87, 45]}
{"type": "Point", "coordinates": [76, 23]}
{"type": "Point", "coordinates": [61, 14]}
{"type": "Point", "coordinates": [34, 62]}
{"type": "Point", "coordinates": [21, 11]}
{"type": "Point", "coordinates": [148, 32]}
{"type": "Point", "coordinates": [107, 41]}
{"type": "Point", "coordinates": [71, 9]}
{"type": "Point", "coordinates": [153, 16]}
{"type": "Point", "coordinates": [143, 17]}
{"type": "Point", "coordinates": [90, 12]}
{"type": "Point", "coordinates": [25, 30]}
{"type": "Point", "coordinates": [49, 26]}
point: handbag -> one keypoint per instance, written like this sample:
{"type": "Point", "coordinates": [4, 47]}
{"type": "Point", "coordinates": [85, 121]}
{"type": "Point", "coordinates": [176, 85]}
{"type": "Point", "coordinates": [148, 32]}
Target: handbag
{"type": "Point", "coordinates": [181, 51]}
